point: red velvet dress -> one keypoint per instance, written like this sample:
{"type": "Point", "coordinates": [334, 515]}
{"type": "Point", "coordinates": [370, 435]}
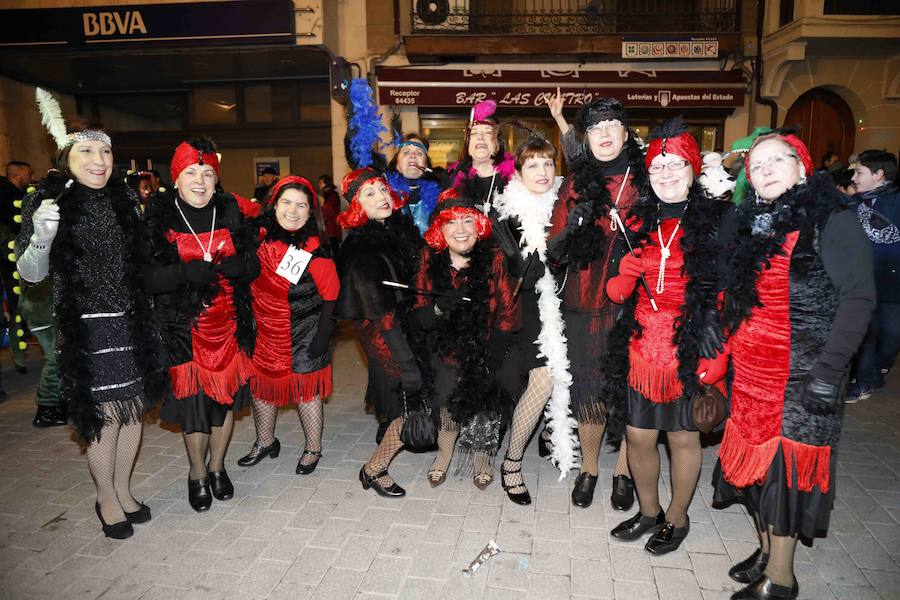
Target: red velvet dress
{"type": "Point", "coordinates": [287, 318]}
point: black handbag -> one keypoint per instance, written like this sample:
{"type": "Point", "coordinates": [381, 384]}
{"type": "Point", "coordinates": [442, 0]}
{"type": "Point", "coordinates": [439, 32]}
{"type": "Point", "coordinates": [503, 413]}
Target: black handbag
{"type": "Point", "coordinates": [419, 431]}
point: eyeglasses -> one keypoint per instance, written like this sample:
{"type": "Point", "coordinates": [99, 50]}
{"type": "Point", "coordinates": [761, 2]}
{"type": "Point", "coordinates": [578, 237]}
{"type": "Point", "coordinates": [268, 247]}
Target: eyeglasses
{"type": "Point", "coordinates": [674, 165]}
{"type": "Point", "coordinates": [776, 160]}
{"type": "Point", "coordinates": [607, 124]}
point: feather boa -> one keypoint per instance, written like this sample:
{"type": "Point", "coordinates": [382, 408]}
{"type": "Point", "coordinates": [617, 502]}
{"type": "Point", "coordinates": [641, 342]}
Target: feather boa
{"type": "Point", "coordinates": [533, 213]}
{"type": "Point", "coordinates": [364, 127]}
{"type": "Point", "coordinates": [429, 190]}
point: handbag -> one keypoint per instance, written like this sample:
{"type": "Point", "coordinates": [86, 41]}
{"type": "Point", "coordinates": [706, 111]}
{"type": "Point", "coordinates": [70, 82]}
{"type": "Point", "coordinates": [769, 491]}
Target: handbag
{"type": "Point", "coordinates": [419, 431]}
{"type": "Point", "coordinates": [708, 408]}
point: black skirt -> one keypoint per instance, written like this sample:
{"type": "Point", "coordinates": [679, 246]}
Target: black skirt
{"type": "Point", "coordinates": [200, 413]}
{"type": "Point", "coordinates": [787, 510]}
{"type": "Point", "coordinates": [662, 416]}
{"type": "Point", "coordinates": [528, 334]}
{"type": "Point", "coordinates": [383, 391]}
{"type": "Point", "coordinates": [586, 334]}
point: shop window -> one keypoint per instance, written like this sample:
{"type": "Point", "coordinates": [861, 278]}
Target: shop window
{"type": "Point", "coordinates": [315, 101]}
{"type": "Point", "coordinates": [214, 105]}
{"type": "Point", "coordinates": [258, 103]}
{"type": "Point", "coordinates": [144, 112]}
{"type": "Point", "coordinates": [446, 135]}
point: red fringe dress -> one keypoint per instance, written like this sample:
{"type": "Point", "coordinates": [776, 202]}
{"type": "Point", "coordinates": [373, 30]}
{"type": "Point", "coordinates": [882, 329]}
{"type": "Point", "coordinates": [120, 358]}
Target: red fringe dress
{"type": "Point", "coordinates": [287, 318]}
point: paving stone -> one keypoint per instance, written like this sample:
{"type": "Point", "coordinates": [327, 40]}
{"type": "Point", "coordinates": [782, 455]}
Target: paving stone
{"type": "Point", "coordinates": [635, 590]}
{"type": "Point", "coordinates": [591, 579]}
{"type": "Point", "coordinates": [385, 575]}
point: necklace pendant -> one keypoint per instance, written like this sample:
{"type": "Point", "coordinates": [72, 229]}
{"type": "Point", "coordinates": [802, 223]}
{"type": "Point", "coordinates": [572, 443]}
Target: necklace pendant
{"type": "Point", "coordinates": [207, 257]}
{"type": "Point", "coordinates": [665, 253]}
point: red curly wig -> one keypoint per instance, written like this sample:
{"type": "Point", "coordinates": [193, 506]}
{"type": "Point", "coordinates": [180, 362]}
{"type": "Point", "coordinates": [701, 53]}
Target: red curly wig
{"type": "Point", "coordinates": [352, 183]}
{"type": "Point", "coordinates": [451, 205]}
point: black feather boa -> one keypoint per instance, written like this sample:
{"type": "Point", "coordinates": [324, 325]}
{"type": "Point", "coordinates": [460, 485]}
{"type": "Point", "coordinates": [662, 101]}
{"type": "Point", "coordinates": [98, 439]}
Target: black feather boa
{"type": "Point", "coordinates": [85, 414]}
{"type": "Point", "coordinates": [396, 238]}
{"type": "Point", "coordinates": [701, 247]}
{"type": "Point", "coordinates": [589, 183]}
{"type": "Point", "coordinates": [463, 336]}
{"type": "Point", "coordinates": [191, 298]}
{"type": "Point", "coordinates": [804, 208]}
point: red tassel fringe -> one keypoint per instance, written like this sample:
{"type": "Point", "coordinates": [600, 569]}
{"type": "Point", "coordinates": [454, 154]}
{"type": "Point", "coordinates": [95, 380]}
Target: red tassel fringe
{"type": "Point", "coordinates": [744, 464]}
{"type": "Point", "coordinates": [657, 384]}
{"type": "Point", "coordinates": [293, 388]}
{"type": "Point", "coordinates": [189, 378]}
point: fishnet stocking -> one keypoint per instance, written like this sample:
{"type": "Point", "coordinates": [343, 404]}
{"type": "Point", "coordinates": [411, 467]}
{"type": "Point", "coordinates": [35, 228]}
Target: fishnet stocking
{"type": "Point", "coordinates": [483, 468]}
{"type": "Point", "coordinates": [197, 445]}
{"type": "Point", "coordinates": [622, 461]}
{"type": "Point", "coordinates": [447, 434]}
{"type": "Point", "coordinates": [218, 442]}
{"type": "Point", "coordinates": [781, 559]}
{"type": "Point", "coordinates": [643, 457]}
{"type": "Point", "coordinates": [264, 417]}
{"type": "Point", "coordinates": [390, 445]}
{"type": "Point", "coordinates": [590, 435]}
{"type": "Point", "coordinates": [101, 457]}
{"type": "Point", "coordinates": [528, 412]}
{"type": "Point", "coordinates": [684, 470]}
{"type": "Point", "coordinates": [312, 418]}
{"type": "Point", "coordinates": [126, 452]}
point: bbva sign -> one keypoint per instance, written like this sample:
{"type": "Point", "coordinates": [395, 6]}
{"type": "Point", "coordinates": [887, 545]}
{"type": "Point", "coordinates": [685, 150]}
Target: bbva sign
{"type": "Point", "coordinates": [113, 23]}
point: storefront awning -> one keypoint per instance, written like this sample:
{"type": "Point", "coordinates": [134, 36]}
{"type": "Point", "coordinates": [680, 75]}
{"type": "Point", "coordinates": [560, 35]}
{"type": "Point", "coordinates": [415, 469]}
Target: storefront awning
{"type": "Point", "coordinates": [419, 86]}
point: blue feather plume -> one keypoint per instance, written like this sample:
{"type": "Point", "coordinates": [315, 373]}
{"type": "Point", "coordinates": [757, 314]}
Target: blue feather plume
{"type": "Point", "coordinates": [365, 124]}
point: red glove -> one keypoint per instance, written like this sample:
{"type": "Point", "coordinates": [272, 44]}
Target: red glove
{"type": "Point", "coordinates": [712, 370]}
{"type": "Point", "coordinates": [632, 265]}
{"type": "Point", "coordinates": [620, 287]}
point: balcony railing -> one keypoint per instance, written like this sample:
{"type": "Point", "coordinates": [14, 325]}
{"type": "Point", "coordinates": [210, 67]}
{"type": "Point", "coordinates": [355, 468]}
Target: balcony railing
{"type": "Point", "coordinates": [564, 17]}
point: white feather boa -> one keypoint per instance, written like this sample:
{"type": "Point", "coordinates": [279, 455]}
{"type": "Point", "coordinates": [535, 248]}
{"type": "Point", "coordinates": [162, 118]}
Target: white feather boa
{"type": "Point", "coordinates": [533, 213]}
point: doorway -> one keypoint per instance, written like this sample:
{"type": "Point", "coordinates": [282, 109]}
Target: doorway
{"type": "Point", "coordinates": [826, 123]}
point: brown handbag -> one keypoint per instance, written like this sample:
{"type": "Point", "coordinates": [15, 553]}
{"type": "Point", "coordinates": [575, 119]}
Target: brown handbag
{"type": "Point", "coordinates": [708, 408]}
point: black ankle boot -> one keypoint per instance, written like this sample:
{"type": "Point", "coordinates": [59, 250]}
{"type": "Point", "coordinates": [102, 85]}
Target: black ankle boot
{"type": "Point", "coordinates": [221, 485]}
{"type": "Point", "coordinates": [583, 492]}
{"type": "Point", "coordinates": [765, 589]}
{"type": "Point", "coordinates": [257, 453]}
{"type": "Point", "coordinates": [116, 531]}
{"type": "Point", "coordinates": [749, 569]}
{"type": "Point", "coordinates": [199, 495]}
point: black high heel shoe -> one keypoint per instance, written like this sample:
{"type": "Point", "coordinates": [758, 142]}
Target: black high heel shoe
{"type": "Point", "coordinates": [199, 495]}
{"type": "Point", "coordinates": [522, 498]}
{"type": "Point", "coordinates": [765, 589]}
{"type": "Point", "coordinates": [221, 485]}
{"type": "Point", "coordinates": [117, 531]}
{"type": "Point", "coordinates": [545, 447]}
{"type": "Point", "coordinates": [141, 515]}
{"type": "Point", "coordinates": [367, 481]}
{"type": "Point", "coordinates": [622, 497]}
{"type": "Point", "coordinates": [749, 569]}
{"type": "Point", "coordinates": [257, 453]}
{"type": "Point", "coordinates": [307, 469]}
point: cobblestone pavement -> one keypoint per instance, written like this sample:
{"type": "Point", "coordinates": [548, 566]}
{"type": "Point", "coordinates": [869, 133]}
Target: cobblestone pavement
{"type": "Point", "coordinates": [321, 536]}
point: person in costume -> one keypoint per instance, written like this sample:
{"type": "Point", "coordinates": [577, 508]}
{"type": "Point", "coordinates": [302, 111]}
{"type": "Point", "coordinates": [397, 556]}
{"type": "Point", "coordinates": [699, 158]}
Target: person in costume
{"type": "Point", "coordinates": [82, 229]}
{"type": "Point", "coordinates": [382, 244]}
{"type": "Point", "coordinates": [410, 173]}
{"type": "Point", "coordinates": [204, 261]}
{"type": "Point", "coordinates": [293, 303]}
{"type": "Point", "coordinates": [658, 346]}
{"type": "Point", "coordinates": [483, 167]}
{"type": "Point", "coordinates": [608, 175]}
{"type": "Point", "coordinates": [525, 207]}
{"type": "Point", "coordinates": [799, 291]}
{"type": "Point", "coordinates": [465, 318]}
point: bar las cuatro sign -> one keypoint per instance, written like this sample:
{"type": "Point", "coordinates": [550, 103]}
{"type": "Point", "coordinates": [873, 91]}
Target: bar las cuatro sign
{"type": "Point", "coordinates": [533, 88]}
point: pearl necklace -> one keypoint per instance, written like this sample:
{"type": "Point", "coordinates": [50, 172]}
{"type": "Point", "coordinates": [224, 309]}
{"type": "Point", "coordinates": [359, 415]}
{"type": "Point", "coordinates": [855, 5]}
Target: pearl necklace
{"type": "Point", "coordinates": [665, 253]}
{"type": "Point", "coordinates": [207, 254]}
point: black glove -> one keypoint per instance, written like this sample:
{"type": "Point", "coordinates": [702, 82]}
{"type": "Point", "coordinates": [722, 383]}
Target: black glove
{"type": "Point", "coordinates": [199, 272]}
{"type": "Point", "coordinates": [322, 339]}
{"type": "Point", "coordinates": [579, 216]}
{"type": "Point", "coordinates": [232, 267]}
{"type": "Point", "coordinates": [448, 301]}
{"type": "Point", "coordinates": [535, 271]}
{"type": "Point", "coordinates": [819, 397]}
{"type": "Point", "coordinates": [712, 338]}
{"type": "Point", "coordinates": [410, 377]}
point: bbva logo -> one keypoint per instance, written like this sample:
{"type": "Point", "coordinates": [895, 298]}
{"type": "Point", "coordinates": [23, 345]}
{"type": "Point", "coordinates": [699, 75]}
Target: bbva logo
{"type": "Point", "coordinates": [110, 23]}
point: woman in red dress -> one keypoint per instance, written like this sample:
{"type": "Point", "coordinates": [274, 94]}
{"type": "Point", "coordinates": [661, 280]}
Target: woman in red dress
{"type": "Point", "coordinates": [293, 301]}
{"type": "Point", "coordinates": [203, 263]}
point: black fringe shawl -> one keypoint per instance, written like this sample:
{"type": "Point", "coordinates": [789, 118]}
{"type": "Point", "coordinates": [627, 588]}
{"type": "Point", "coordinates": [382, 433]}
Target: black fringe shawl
{"type": "Point", "coordinates": [191, 298]}
{"type": "Point", "coordinates": [75, 378]}
{"type": "Point", "coordinates": [701, 247]}
{"type": "Point", "coordinates": [463, 335]}
{"type": "Point", "coordinates": [804, 208]}
{"type": "Point", "coordinates": [586, 244]}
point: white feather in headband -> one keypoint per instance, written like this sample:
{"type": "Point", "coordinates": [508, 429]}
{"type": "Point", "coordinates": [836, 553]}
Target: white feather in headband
{"type": "Point", "coordinates": [51, 116]}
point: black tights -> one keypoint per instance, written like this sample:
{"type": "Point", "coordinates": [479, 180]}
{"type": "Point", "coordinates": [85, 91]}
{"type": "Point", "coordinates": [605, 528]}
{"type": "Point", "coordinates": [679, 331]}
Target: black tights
{"type": "Point", "coordinates": [213, 444]}
{"type": "Point", "coordinates": [111, 460]}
